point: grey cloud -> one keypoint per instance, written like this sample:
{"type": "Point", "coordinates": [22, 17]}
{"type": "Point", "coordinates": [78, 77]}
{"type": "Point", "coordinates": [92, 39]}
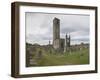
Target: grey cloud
{"type": "Point", "coordinates": [80, 39]}
{"type": "Point", "coordinates": [76, 25]}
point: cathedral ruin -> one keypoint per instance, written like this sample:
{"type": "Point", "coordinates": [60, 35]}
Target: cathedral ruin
{"type": "Point", "coordinates": [59, 44]}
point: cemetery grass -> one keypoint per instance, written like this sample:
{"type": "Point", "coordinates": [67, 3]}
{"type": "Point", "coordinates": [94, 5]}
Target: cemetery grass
{"type": "Point", "coordinates": [78, 57]}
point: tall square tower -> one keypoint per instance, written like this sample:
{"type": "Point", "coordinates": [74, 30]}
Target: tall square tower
{"type": "Point", "coordinates": [56, 33]}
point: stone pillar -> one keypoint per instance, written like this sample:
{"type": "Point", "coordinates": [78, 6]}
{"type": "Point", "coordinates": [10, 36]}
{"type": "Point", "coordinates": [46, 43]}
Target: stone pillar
{"type": "Point", "coordinates": [69, 41]}
{"type": "Point", "coordinates": [66, 43]}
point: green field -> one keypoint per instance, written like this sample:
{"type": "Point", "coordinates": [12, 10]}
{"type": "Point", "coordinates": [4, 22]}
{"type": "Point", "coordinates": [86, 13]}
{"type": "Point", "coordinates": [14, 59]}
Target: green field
{"type": "Point", "coordinates": [68, 58]}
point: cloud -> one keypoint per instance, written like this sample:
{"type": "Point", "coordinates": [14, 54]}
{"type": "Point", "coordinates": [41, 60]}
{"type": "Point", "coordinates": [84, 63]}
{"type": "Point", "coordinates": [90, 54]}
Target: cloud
{"type": "Point", "coordinates": [39, 27]}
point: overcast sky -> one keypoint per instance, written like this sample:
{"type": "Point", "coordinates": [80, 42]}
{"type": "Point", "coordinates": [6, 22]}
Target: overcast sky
{"type": "Point", "coordinates": [39, 27]}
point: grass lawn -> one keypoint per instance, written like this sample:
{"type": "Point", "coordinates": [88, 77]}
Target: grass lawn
{"type": "Point", "coordinates": [68, 58]}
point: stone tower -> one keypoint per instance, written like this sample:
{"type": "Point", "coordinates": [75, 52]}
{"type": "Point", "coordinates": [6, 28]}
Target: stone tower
{"type": "Point", "coordinates": [56, 33]}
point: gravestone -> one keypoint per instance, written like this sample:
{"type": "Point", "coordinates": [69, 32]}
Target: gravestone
{"type": "Point", "coordinates": [39, 54]}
